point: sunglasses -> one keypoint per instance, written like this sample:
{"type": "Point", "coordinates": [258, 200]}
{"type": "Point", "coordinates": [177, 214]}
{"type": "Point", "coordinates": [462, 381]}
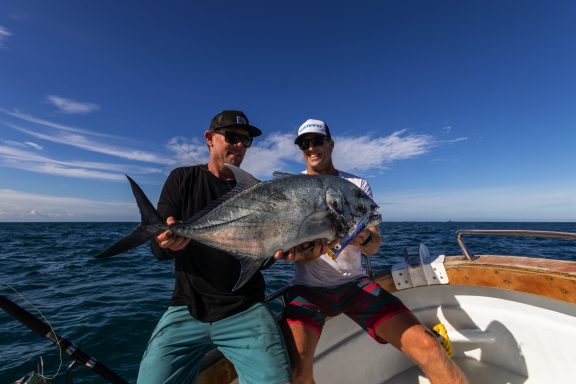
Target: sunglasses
{"type": "Point", "coordinates": [314, 141]}
{"type": "Point", "coordinates": [232, 137]}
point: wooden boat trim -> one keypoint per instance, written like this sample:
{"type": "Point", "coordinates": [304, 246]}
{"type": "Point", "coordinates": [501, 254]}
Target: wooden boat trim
{"type": "Point", "coordinates": [555, 279]}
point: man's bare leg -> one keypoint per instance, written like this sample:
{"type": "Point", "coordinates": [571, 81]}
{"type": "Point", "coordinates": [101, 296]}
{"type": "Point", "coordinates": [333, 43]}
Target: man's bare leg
{"type": "Point", "coordinates": [302, 342]}
{"type": "Point", "coordinates": [406, 333]}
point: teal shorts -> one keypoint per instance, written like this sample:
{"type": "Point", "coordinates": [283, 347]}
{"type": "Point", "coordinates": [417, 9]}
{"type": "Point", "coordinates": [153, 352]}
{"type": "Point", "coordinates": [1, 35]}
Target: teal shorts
{"type": "Point", "coordinates": [251, 340]}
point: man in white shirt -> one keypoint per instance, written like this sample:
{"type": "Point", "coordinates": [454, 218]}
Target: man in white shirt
{"type": "Point", "coordinates": [323, 287]}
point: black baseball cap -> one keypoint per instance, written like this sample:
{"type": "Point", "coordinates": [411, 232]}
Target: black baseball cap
{"type": "Point", "coordinates": [233, 119]}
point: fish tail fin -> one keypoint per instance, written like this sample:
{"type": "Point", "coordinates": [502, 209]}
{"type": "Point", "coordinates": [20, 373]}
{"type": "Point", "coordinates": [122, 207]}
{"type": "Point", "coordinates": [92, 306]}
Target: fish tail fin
{"type": "Point", "coordinates": [151, 225]}
{"type": "Point", "coordinates": [148, 214]}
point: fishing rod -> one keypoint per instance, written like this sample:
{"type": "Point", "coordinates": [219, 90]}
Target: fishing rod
{"type": "Point", "coordinates": [44, 330]}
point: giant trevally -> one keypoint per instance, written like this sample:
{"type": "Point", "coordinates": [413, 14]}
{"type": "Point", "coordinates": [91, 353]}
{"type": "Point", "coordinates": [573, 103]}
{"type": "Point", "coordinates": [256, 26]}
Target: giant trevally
{"type": "Point", "coordinates": [255, 219]}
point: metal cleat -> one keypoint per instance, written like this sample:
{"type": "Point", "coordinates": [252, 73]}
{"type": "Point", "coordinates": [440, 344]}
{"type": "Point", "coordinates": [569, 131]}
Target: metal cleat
{"type": "Point", "coordinates": [421, 270]}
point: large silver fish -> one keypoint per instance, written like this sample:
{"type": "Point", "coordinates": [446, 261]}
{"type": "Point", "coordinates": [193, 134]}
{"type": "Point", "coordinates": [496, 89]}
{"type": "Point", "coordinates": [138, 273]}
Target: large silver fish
{"type": "Point", "coordinates": [255, 219]}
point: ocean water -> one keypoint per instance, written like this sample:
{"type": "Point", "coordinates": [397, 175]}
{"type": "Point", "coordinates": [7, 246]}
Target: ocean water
{"type": "Point", "coordinates": [109, 308]}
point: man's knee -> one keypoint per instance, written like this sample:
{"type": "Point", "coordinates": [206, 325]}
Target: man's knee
{"type": "Point", "coordinates": [422, 345]}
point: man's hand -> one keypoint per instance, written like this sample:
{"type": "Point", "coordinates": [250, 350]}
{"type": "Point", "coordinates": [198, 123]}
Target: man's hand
{"type": "Point", "coordinates": [168, 240]}
{"type": "Point", "coordinates": [305, 251]}
{"type": "Point", "coordinates": [368, 240]}
{"type": "Point", "coordinates": [361, 238]}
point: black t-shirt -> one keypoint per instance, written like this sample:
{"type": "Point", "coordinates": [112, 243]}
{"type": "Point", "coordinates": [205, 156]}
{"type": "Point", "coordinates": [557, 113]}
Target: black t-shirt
{"type": "Point", "coordinates": [204, 275]}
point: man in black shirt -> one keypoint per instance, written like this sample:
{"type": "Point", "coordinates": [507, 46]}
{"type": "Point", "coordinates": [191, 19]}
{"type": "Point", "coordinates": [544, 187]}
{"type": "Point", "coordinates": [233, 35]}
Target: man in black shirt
{"type": "Point", "coordinates": [204, 311]}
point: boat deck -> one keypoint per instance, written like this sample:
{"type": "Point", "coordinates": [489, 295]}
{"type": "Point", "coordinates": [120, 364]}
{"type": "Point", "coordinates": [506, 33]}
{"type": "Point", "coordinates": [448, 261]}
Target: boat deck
{"type": "Point", "coordinates": [479, 371]}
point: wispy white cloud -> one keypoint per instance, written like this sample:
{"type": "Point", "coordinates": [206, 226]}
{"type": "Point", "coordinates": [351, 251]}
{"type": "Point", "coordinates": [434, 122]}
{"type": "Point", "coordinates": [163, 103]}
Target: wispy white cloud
{"type": "Point", "coordinates": [274, 153]}
{"type": "Point", "coordinates": [456, 140]}
{"type": "Point", "coordinates": [25, 144]}
{"type": "Point", "coordinates": [86, 143]}
{"type": "Point", "coordinates": [22, 206]}
{"type": "Point", "coordinates": [13, 153]}
{"type": "Point", "coordinates": [50, 124]}
{"type": "Point", "coordinates": [33, 162]}
{"type": "Point", "coordinates": [376, 153]}
{"type": "Point", "coordinates": [71, 106]}
{"type": "Point", "coordinates": [4, 34]}
{"type": "Point", "coordinates": [34, 145]}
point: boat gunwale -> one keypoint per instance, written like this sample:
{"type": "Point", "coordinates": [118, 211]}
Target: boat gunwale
{"type": "Point", "coordinates": [551, 278]}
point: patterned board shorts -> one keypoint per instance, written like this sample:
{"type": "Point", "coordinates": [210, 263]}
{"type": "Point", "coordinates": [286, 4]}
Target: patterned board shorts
{"type": "Point", "coordinates": [363, 300]}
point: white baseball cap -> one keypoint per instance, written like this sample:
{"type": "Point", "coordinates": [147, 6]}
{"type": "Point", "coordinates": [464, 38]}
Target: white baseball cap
{"type": "Point", "coordinates": [313, 126]}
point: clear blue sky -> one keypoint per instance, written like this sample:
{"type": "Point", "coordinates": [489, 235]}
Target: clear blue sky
{"type": "Point", "coordinates": [453, 110]}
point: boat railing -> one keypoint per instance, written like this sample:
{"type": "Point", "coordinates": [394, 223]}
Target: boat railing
{"type": "Point", "coordinates": [509, 232]}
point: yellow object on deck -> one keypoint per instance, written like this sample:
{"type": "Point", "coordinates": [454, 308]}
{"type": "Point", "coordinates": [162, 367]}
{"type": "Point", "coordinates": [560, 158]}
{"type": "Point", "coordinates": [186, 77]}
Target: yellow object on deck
{"type": "Point", "coordinates": [442, 335]}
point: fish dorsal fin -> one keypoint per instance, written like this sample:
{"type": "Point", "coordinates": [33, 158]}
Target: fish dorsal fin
{"type": "Point", "coordinates": [244, 180]}
{"type": "Point", "coordinates": [280, 175]}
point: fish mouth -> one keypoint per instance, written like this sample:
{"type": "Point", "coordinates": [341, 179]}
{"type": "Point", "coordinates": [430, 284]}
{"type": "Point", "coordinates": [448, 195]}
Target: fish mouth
{"type": "Point", "coordinates": [374, 219]}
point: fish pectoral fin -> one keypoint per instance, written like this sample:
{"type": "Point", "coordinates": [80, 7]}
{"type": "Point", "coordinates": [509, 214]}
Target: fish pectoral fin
{"type": "Point", "coordinates": [248, 267]}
